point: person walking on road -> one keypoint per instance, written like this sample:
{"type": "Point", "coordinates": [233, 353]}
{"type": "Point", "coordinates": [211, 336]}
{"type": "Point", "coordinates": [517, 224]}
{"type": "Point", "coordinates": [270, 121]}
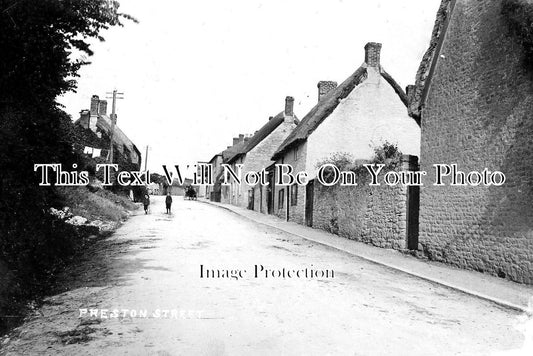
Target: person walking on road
{"type": "Point", "coordinates": [168, 202]}
{"type": "Point", "coordinates": [146, 203]}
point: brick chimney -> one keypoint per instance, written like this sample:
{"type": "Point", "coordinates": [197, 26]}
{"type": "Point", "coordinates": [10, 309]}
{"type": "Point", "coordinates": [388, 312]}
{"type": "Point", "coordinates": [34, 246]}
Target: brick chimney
{"type": "Point", "coordinates": [372, 54]}
{"type": "Point", "coordinates": [289, 109]}
{"type": "Point", "coordinates": [86, 115]}
{"type": "Point", "coordinates": [95, 100]}
{"type": "Point", "coordinates": [237, 140]}
{"type": "Point", "coordinates": [102, 107]}
{"type": "Point", "coordinates": [324, 87]}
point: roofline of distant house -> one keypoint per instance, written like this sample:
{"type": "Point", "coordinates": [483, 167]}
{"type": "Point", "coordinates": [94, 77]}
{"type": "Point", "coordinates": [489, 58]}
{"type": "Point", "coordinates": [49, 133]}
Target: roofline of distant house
{"type": "Point", "coordinates": [234, 158]}
{"type": "Point", "coordinates": [215, 156]}
{"type": "Point", "coordinates": [295, 142]}
{"type": "Point", "coordinates": [136, 150]}
{"type": "Point", "coordinates": [340, 92]}
{"type": "Point", "coordinates": [394, 84]}
{"type": "Point", "coordinates": [274, 121]}
{"type": "Point", "coordinates": [103, 117]}
{"type": "Point", "coordinates": [388, 78]}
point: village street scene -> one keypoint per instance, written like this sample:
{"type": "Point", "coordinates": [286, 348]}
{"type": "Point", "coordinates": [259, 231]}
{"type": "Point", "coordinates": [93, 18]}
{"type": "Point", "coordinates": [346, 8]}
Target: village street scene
{"type": "Point", "coordinates": [352, 313]}
{"type": "Point", "coordinates": [410, 233]}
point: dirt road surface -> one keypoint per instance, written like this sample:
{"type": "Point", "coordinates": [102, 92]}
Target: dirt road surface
{"type": "Point", "coordinates": [152, 265]}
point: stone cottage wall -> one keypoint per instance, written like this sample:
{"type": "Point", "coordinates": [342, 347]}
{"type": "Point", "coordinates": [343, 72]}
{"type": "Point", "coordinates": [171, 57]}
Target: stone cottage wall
{"type": "Point", "coordinates": [479, 114]}
{"type": "Point", "coordinates": [296, 212]}
{"type": "Point", "coordinates": [372, 214]}
{"type": "Point", "coordinates": [370, 115]}
{"type": "Point", "coordinates": [259, 158]}
{"type": "Point", "coordinates": [259, 204]}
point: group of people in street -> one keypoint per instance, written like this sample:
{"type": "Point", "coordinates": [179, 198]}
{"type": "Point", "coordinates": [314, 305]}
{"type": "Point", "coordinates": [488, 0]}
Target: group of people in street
{"type": "Point", "coordinates": [146, 203]}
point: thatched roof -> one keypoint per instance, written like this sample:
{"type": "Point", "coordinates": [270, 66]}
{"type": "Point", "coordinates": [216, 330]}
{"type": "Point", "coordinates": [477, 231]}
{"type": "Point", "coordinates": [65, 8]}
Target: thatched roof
{"type": "Point", "coordinates": [104, 124]}
{"type": "Point", "coordinates": [328, 104]}
{"type": "Point", "coordinates": [417, 95]}
{"type": "Point", "coordinates": [214, 157]}
{"type": "Point", "coordinates": [259, 136]}
{"type": "Point", "coordinates": [397, 88]}
{"type": "Point", "coordinates": [230, 152]}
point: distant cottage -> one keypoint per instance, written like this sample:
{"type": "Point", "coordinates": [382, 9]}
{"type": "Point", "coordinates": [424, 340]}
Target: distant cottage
{"type": "Point", "coordinates": [362, 113]}
{"type": "Point", "coordinates": [215, 192]}
{"type": "Point", "coordinates": [176, 188]}
{"type": "Point", "coordinates": [97, 137]}
{"type": "Point", "coordinates": [202, 190]}
{"type": "Point", "coordinates": [256, 153]}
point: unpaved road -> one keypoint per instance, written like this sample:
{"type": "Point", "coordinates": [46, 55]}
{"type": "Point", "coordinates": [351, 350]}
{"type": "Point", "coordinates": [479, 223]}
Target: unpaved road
{"type": "Point", "coordinates": [152, 264]}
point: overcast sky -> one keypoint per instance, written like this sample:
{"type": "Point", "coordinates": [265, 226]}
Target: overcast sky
{"type": "Point", "coordinates": [197, 73]}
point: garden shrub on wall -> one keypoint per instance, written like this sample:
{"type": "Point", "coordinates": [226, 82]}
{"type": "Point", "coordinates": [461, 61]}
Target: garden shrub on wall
{"type": "Point", "coordinates": [387, 153]}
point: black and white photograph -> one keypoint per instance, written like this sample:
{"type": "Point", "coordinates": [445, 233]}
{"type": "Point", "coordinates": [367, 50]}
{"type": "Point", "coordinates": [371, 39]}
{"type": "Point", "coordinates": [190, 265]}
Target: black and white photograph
{"type": "Point", "coordinates": [266, 177]}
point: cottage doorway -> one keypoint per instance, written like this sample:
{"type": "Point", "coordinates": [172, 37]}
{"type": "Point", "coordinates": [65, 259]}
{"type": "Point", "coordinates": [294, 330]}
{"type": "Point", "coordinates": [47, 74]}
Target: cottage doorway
{"type": "Point", "coordinates": [270, 191]}
{"type": "Point", "coordinates": [309, 196]}
{"type": "Point", "coordinates": [413, 209]}
{"type": "Point", "coordinates": [251, 199]}
{"type": "Point", "coordinates": [260, 198]}
{"type": "Point", "coordinates": [287, 211]}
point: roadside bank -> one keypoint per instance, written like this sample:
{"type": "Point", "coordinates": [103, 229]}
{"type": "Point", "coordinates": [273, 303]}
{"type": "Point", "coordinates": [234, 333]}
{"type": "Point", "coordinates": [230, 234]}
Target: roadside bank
{"type": "Point", "coordinates": [80, 219]}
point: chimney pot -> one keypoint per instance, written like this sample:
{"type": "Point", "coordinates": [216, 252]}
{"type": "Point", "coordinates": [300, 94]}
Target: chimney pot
{"type": "Point", "coordinates": [372, 54]}
{"type": "Point", "coordinates": [102, 107]}
{"type": "Point", "coordinates": [94, 104]}
{"type": "Point", "coordinates": [324, 87]}
{"type": "Point", "coordinates": [241, 137]}
{"type": "Point", "coordinates": [235, 141]}
{"type": "Point", "coordinates": [289, 107]}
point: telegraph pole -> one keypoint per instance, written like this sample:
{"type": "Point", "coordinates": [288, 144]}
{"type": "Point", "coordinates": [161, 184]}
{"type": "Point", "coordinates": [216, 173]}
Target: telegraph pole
{"type": "Point", "coordinates": [115, 96]}
{"type": "Point", "coordinates": [146, 158]}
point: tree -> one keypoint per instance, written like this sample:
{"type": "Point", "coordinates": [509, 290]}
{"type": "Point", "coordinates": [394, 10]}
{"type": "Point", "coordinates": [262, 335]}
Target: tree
{"type": "Point", "coordinates": [39, 39]}
{"type": "Point", "coordinates": [41, 46]}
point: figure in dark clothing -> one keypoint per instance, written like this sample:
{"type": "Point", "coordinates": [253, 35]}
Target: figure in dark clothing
{"type": "Point", "coordinates": [168, 202]}
{"type": "Point", "coordinates": [146, 203]}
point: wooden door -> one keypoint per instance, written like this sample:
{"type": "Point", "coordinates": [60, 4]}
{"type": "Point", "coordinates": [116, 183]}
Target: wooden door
{"type": "Point", "coordinates": [309, 196]}
{"type": "Point", "coordinates": [270, 193]}
{"type": "Point", "coordinates": [413, 208]}
{"type": "Point", "coordinates": [251, 199]}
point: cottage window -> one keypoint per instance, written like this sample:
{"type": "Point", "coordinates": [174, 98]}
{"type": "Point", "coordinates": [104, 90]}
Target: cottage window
{"type": "Point", "coordinates": [296, 153]}
{"type": "Point", "coordinates": [294, 194]}
{"type": "Point", "coordinates": [281, 199]}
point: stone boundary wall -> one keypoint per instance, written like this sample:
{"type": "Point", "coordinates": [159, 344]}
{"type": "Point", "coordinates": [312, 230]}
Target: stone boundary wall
{"type": "Point", "coordinates": [376, 215]}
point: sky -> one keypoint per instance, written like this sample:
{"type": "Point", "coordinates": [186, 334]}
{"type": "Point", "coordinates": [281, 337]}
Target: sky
{"type": "Point", "coordinates": [195, 74]}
